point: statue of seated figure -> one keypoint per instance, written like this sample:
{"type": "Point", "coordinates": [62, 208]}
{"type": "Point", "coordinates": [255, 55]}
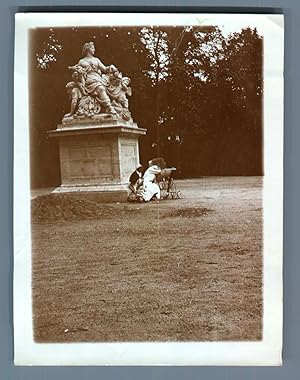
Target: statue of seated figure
{"type": "Point", "coordinates": [97, 89]}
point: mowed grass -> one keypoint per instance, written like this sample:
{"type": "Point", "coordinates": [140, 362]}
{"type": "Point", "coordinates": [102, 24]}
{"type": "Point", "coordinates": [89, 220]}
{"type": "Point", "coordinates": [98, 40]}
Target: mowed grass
{"type": "Point", "coordinates": [182, 270]}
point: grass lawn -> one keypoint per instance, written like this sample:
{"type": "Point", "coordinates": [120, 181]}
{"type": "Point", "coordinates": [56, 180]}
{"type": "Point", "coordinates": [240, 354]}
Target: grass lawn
{"type": "Point", "coordinates": [188, 269]}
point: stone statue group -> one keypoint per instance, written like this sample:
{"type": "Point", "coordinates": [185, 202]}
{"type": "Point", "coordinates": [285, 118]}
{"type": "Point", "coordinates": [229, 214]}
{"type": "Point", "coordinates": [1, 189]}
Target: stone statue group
{"type": "Point", "coordinates": [97, 91]}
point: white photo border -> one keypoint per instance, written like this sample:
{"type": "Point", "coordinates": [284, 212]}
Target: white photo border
{"type": "Point", "coordinates": [266, 352]}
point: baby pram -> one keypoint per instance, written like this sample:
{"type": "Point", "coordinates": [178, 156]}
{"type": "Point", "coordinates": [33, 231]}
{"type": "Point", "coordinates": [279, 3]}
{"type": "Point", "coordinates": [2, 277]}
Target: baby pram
{"type": "Point", "coordinates": [167, 184]}
{"type": "Point", "coordinates": [165, 179]}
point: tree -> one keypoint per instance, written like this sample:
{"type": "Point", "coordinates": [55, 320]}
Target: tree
{"type": "Point", "coordinates": [197, 92]}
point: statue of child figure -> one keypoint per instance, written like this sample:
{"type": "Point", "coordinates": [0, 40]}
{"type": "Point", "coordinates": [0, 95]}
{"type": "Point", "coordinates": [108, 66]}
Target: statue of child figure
{"type": "Point", "coordinates": [118, 88]}
{"type": "Point", "coordinates": [125, 91]}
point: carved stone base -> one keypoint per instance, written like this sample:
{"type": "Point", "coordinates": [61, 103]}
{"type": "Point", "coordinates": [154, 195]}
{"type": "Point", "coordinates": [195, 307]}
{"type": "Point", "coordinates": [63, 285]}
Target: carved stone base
{"type": "Point", "coordinates": [97, 156]}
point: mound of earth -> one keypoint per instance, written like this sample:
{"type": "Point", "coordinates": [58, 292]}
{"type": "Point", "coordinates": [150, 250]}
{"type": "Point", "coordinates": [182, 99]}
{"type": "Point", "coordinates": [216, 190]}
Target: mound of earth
{"type": "Point", "coordinates": [60, 207]}
{"type": "Point", "coordinates": [189, 212]}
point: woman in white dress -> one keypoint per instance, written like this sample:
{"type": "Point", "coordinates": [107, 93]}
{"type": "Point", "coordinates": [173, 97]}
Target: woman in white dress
{"type": "Point", "coordinates": [150, 187]}
{"type": "Point", "coordinates": [94, 83]}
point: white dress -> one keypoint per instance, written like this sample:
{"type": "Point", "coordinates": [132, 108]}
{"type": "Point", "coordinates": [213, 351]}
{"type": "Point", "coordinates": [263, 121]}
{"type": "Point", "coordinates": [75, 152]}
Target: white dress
{"type": "Point", "coordinates": [150, 187]}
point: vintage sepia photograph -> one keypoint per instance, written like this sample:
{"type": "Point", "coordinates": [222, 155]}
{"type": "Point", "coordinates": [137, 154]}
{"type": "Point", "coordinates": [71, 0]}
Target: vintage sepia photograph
{"type": "Point", "coordinates": [147, 180]}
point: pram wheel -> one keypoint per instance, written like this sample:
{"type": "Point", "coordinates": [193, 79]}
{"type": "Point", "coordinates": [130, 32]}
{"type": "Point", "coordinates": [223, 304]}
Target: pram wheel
{"type": "Point", "coordinates": [163, 185]}
{"type": "Point", "coordinates": [174, 193]}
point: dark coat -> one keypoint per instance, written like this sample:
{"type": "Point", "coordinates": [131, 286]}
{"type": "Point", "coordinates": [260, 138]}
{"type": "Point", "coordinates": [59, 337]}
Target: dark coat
{"type": "Point", "coordinates": [134, 177]}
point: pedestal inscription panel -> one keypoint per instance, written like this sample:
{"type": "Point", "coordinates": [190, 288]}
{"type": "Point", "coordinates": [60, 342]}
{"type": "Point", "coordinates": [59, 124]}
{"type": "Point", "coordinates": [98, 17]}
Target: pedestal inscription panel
{"type": "Point", "coordinates": [128, 153]}
{"type": "Point", "coordinates": [90, 162]}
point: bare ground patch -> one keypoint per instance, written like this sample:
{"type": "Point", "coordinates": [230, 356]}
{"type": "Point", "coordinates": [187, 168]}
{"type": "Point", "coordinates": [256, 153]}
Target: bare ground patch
{"type": "Point", "coordinates": [188, 212]}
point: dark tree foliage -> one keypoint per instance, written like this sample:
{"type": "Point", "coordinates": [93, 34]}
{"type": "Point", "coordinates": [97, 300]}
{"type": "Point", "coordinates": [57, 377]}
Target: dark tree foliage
{"type": "Point", "coordinates": [197, 93]}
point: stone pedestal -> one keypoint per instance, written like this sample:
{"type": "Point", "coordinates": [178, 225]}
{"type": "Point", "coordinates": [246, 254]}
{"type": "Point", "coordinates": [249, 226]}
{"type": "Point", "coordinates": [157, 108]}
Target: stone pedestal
{"type": "Point", "coordinates": [97, 156]}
